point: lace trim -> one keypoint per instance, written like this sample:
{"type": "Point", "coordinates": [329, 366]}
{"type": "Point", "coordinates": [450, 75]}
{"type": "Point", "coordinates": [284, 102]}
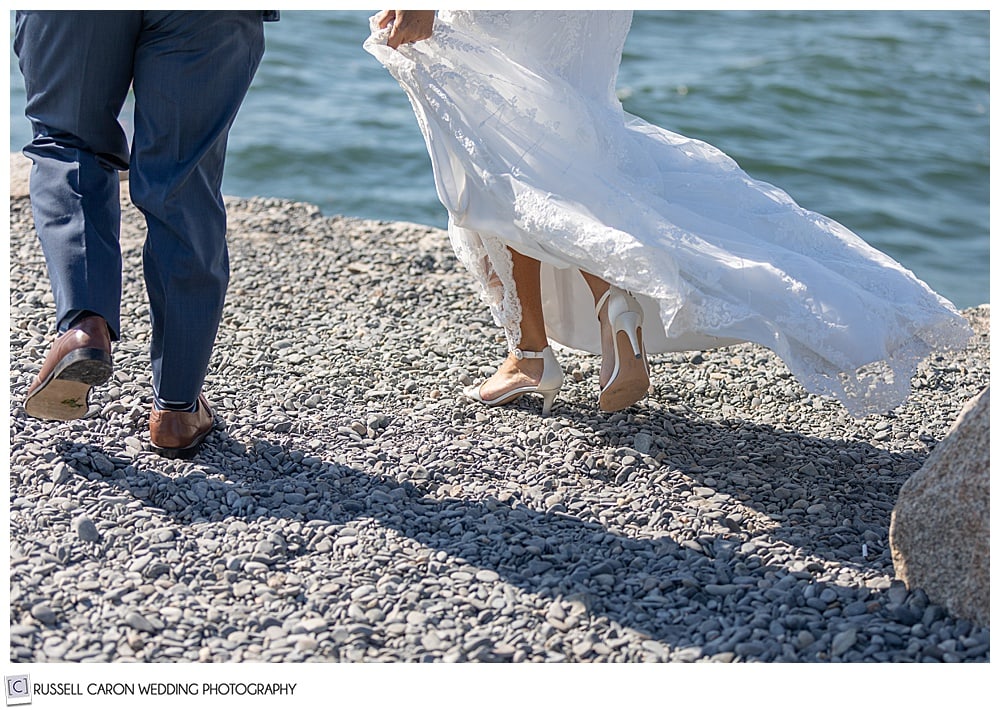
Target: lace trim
{"type": "Point", "coordinates": [489, 260]}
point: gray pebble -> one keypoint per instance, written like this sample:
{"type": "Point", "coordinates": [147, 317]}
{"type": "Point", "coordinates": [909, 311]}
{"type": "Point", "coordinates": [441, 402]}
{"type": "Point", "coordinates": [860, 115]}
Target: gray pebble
{"type": "Point", "coordinates": [138, 622]}
{"type": "Point", "coordinates": [843, 641]}
{"type": "Point", "coordinates": [86, 529]}
{"type": "Point", "coordinates": [44, 613]}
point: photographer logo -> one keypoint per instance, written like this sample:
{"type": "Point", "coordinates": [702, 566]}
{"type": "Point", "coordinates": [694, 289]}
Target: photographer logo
{"type": "Point", "coordinates": [18, 690]}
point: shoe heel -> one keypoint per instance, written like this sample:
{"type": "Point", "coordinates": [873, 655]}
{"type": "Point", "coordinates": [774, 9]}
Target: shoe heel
{"type": "Point", "coordinates": [548, 398]}
{"type": "Point", "coordinates": [624, 315]}
{"type": "Point", "coordinates": [629, 323]}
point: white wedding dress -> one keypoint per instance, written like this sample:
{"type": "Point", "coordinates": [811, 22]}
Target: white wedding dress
{"type": "Point", "coordinates": [532, 150]}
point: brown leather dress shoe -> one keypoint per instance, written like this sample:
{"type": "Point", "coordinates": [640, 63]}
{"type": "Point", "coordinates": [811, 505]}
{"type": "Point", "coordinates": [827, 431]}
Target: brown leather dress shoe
{"type": "Point", "coordinates": [79, 359]}
{"type": "Point", "coordinates": [179, 435]}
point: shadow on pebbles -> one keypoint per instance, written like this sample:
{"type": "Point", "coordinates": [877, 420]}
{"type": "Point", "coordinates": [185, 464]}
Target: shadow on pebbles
{"type": "Point", "coordinates": [351, 506]}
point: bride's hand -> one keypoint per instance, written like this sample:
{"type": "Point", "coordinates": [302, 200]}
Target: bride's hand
{"type": "Point", "coordinates": [407, 25]}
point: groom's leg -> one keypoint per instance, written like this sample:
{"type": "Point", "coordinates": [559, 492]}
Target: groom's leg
{"type": "Point", "coordinates": [77, 67]}
{"type": "Point", "coordinates": [192, 71]}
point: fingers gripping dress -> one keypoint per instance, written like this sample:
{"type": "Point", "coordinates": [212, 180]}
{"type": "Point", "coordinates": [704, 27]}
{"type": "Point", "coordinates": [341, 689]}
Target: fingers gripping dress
{"type": "Point", "coordinates": [532, 150]}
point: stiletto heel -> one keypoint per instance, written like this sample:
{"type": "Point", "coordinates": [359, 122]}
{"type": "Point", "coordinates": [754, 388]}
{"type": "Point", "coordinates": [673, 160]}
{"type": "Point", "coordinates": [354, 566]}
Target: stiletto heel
{"type": "Point", "coordinates": [548, 385]}
{"type": "Point", "coordinates": [548, 398]}
{"type": "Point", "coordinates": [629, 323]}
{"type": "Point", "coordinates": [628, 383]}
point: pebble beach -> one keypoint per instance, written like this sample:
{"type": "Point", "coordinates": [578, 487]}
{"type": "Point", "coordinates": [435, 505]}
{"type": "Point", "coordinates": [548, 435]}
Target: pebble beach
{"type": "Point", "coordinates": [352, 506]}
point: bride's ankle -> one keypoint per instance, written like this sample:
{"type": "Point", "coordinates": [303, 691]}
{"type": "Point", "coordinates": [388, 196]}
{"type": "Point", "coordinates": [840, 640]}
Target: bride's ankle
{"type": "Point", "coordinates": [514, 365]}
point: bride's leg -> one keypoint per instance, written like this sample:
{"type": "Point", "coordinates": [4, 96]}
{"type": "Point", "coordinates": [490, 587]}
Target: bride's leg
{"type": "Point", "coordinates": [624, 380]}
{"type": "Point", "coordinates": [514, 373]}
{"type": "Point", "coordinates": [599, 287]}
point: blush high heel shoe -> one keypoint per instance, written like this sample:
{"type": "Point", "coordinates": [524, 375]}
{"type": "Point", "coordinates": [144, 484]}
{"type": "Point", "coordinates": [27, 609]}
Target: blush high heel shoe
{"type": "Point", "coordinates": [629, 380]}
{"type": "Point", "coordinates": [548, 386]}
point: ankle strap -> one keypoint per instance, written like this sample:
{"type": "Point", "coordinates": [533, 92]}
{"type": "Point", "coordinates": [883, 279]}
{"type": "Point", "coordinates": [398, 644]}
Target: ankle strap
{"type": "Point", "coordinates": [522, 354]}
{"type": "Point", "coordinates": [601, 300]}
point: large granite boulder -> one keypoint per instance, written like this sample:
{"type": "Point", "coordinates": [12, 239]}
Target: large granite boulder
{"type": "Point", "coordinates": [940, 529]}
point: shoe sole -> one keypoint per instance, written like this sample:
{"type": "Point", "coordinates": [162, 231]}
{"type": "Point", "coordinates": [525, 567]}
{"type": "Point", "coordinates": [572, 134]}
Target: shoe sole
{"type": "Point", "coordinates": [625, 391]}
{"type": "Point", "coordinates": [502, 400]}
{"type": "Point", "coordinates": [63, 396]}
{"type": "Point", "coordinates": [185, 452]}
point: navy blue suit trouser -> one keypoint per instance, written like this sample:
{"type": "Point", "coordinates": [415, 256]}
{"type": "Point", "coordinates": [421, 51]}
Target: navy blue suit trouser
{"type": "Point", "coordinates": [189, 72]}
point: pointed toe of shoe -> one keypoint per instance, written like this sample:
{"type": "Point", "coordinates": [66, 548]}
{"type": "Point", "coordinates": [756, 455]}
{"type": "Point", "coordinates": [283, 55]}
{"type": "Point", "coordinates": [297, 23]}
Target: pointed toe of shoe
{"type": "Point", "coordinates": [472, 393]}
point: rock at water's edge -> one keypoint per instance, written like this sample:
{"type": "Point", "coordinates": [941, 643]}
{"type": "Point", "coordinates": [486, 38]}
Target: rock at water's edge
{"type": "Point", "coordinates": [940, 528]}
{"type": "Point", "coordinates": [20, 169]}
{"type": "Point", "coordinates": [20, 173]}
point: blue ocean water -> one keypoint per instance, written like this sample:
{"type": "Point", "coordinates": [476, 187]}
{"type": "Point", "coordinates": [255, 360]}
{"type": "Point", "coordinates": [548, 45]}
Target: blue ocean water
{"type": "Point", "coordinates": [879, 119]}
